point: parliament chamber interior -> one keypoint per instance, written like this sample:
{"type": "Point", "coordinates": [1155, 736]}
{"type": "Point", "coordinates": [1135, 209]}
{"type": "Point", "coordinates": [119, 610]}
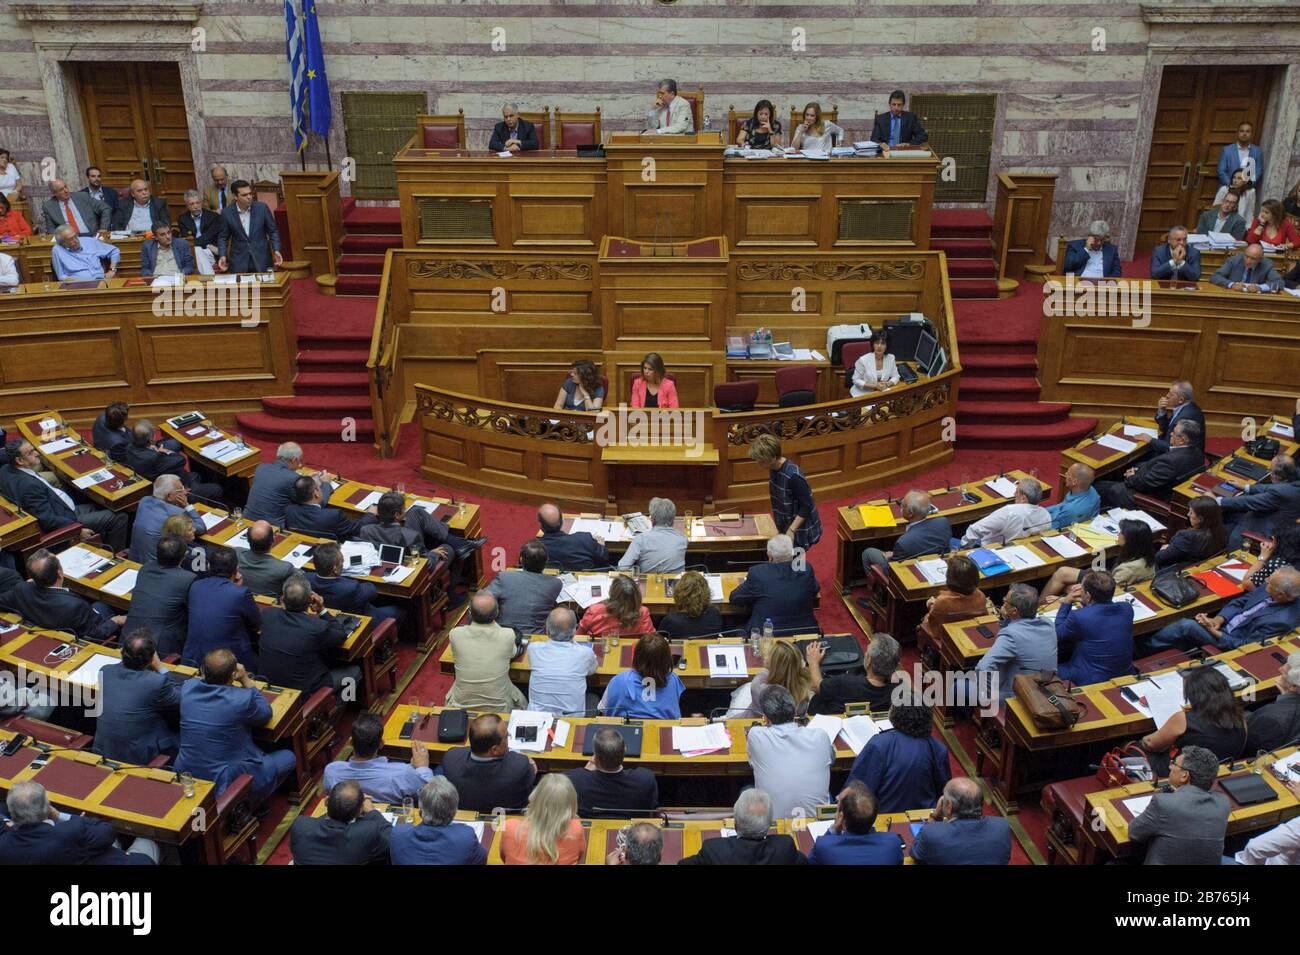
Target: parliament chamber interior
{"type": "Point", "coordinates": [536, 440]}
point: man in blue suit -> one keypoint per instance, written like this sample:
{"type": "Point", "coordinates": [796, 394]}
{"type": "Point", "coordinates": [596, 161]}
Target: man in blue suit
{"type": "Point", "coordinates": [853, 839]}
{"type": "Point", "coordinates": [777, 590]}
{"type": "Point", "coordinates": [169, 498]}
{"type": "Point", "coordinates": [218, 715]}
{"type": "Point", "coordinates": [1100, 631]}
{"type": "Point", "coordinates": [1093, 257]}
{"type": "Point", "coordinates": [346, 593]}
{"type": "Point", "coordinates": [272, 490]}
{"type": "Point", "coordinates": [160, 600]}
{"type": "Point", "coordinates": [925, 535]}
{"type": "Point", "coordinates": [898, 127]}
{"type": "Point", "coordinates": [165, 255]}
{"type": "Point", "coordinates": [438, 839]}
{"type": "Point", "coordinates": [249, 240]}
{"type": "Point", "coordinates": [580, 551]}
{"type": "Point", "coordinates": [137, 698]}
{"type": "Point", "coordinates": [54, 508]}
{"type": "Point", "coordinates": [1268, 611]}
{"type": "Point", "coordinates": [222, 613]}
{"type": "Point", "coordinates": [1243, 154]}
{"type": "Point", "coordinates": [959, 833]}
{"type": "Point", "coordinates": [1175, 259]}
{"type": "Point", "coordinates": [1261, 507]}
{"type": "Point", "coordinates": [310, 515]}
{"type": "Point", "coordinates": [38, 834]}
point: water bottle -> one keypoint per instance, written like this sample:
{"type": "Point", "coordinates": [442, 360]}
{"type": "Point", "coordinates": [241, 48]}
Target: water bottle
{"type": "Point", "coordinates": [768, 630]}
{"type": "Point", "coordinates": [755, 643]}
{"type": "Point", "coordinates": [708, 122]}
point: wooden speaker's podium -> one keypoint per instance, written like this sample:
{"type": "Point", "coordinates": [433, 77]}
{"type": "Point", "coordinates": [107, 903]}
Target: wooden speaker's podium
{"type": "Point", "coordinates": [665, 186]}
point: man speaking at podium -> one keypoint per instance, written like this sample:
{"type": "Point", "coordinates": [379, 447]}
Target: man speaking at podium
{"type": "Point", "coordinates": [671, 115]}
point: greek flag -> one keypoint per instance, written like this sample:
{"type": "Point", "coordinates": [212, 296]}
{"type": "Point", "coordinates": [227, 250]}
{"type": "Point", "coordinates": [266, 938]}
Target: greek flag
{"type": "Point", "coordinates": [297, 75]}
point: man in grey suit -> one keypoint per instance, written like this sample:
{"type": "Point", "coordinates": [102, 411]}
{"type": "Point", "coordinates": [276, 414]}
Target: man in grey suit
{"type": "Point", "coordinates": [1026, 642]}
{"type": "Point", "coordinates": [160, 600]}
{"type": "Point", "coordinates": [527, 595]}
{"type": "Point", "coordinates": [1261, 507]}
{"type": "Point", "coordinates": [138, 697]}
{"type": "Point", "coordinates": [142, 211]}
{"type": "Point", "coordinates": [89, 215]}
{"type": "Point", "coordinates": [273, 488]}
{"type": "Point", "coordinates": [1248, 272]}
{"type": "Point", "coordinates": [249, 240]}
{"type": "Point", "coordinates": [660, 550]}
{"type": "Point", "coordinates": [1186, 826]}
{"type": "Point", "coordinates": [1223, 219]}
{"type": "Point", "coordinates": [262, 573]}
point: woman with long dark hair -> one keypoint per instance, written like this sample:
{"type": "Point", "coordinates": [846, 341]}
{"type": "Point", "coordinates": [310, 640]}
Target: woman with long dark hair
{"type": "Point", "coordinates": [1213, 719]}
{"type": "Point", "coordinates": [1136, 561]}
{"type": "Point", "coordinates": [1206, 537]}
{"type": "Point", "coordinates": [762, 130]}
{"type": "Point", "coordinates": [582, 390]}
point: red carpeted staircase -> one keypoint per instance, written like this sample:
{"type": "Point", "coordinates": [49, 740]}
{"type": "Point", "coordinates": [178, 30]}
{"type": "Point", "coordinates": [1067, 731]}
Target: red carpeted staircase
{"type": "Point", "coordinates": [369, 232]}
{"type": "Point", "coordinates": [966, 236]}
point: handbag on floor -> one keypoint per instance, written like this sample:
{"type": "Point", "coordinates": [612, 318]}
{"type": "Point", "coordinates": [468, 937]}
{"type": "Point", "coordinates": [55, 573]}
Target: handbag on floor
{"type": "Point", "coordinates": [1047, 698]}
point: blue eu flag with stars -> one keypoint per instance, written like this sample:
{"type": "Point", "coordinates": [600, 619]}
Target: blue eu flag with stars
{"type": "Point", "coordinates": [318, 87]}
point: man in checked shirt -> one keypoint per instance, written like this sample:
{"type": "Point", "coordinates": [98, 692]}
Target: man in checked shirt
{"type": "Point", "coordinates": [793, 508]}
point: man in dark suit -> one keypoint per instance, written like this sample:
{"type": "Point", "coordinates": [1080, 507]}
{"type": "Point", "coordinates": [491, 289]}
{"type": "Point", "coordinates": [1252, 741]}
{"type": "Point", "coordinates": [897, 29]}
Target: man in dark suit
{"type": "Point", "coordinates": [96, 189]}
{"type": "Point", "coordinates": [138, 700]}
{"type": "Point", "coordinates": [142, 211]}
{"type": "Point", "coordinates": [38, 834]}
{"type": "Point", "coordinates": [580, 551]}
{"type": "Point", "coordinates": [1159, 476]}
{"type": "Point", "coordinates": [779, 591]}
{"type": "Point", "coordinates": [388, 528]}
{"type": "Point", "coordinates": [1261, 507]}
{"type": "Point", "coordinates": [222, 613]}
{"type": "Point", "coordinates": [1224, 218]}
{"type": "Point", "coordinates": [1248, 272]}
{"type": "Point", "coordinates": [202, 228]}
{"type": "Point", "coordinates": [1175, 259]}
{"type": "Point", "coordinates": [299, 649]}
{"type": "Point", "coordinates": [1099, 632]}
{"type": "Point", "coordinates": [1258, 614]}
{"type": "Point", "coordinates": [310, 515]}
{"type": "Point", "coordinates": [272, 489]}
{"type": "Point", "coordinates": [1186, 826]}
{"type": "Point", "coordinates": [218, 716]}
{"type": "Point", "coordinates": [1093, 257]}
{"type": "Point", "coordinates": [487, 773]}
{"type": "Point", "coordinates": [898, 127]}
{"type": "Point", "coordinates": [1277, 724]}
{"type": "Point", "coordinates": [109, 432]}
{"type": "Point", "coordinates": [165, 254]}
{"type": "Point", "coordinates": [52, 507]}
{"type": "Point", "coordinates": [609, 790]}
{"type": "Point", "coordinates": [352, 831]}
{"type": "Point", "coordinates": [526, 596]}
{"type": "Point", "coordinates": [45, 601]}
{"type": "Point", "coordinates": [249, 240]}
{"type": "Point", "coordinates": [88, 215]}
{"type": "Point", "coordinates": [160, 600]}
{"type": "Point", "coordinates": [924, 535]}
{"type": "Point", "coordinates": [959, 833]}
{"type": "Point", "coordinates": [150, 459]}
{"type": "Point", "coordinates": [262, 573]}
{"type": "Point", "coordinates": [853, 839]}
{"type": "Point", "coordinates": [346, 594]}
{"type": "Point", "coordinates": [514, 133]}
{"type": "Point", "coordinates": [753, 843]}
{"type": "Point", "coordinates": [1174, 406]}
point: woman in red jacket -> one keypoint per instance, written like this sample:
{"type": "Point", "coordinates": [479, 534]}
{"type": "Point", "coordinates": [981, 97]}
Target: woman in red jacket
{"type": "Point", "coordinates": [654, 389]}
{"type": "Point", "coordinates": [12, 224]}
{"type": "Point", "coordinates": [1273, 226]}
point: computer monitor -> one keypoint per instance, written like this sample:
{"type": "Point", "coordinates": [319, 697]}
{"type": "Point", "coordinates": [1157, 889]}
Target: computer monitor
{"type": "Point", "coordinates": [937, 366]}
{"type": "Point", "coordinates": [926, 347]}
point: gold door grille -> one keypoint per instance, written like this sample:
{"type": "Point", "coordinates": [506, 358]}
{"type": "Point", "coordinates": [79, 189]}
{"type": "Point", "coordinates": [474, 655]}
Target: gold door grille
{"type": "Point", "coordinates": [455, 219]}
{"type": "Point", "coordinates": [376, 126]}
{"type": "Point", "coordinates": [961, 127]}
{"type": "Point", "coordinates": [876, 220]}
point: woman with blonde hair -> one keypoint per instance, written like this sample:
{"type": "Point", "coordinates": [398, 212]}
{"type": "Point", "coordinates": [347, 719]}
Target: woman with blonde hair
{"type": "Point", "coordinates": [785, 667]}
{"type": "Point", "coordinates": [620, 613]}
{"type": "Point", "coordinates": [550, 832]}
{"type": "Point", "coordinates": [195, 559]}
{"type": "Point", "coordinates": [816, 132]}
{"type": "Point", "coordinates": [693, 613]}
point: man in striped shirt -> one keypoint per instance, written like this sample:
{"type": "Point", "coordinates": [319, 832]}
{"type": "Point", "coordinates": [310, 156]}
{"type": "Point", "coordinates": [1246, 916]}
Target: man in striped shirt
{"type": "Point", "coordinates": [793, 508]}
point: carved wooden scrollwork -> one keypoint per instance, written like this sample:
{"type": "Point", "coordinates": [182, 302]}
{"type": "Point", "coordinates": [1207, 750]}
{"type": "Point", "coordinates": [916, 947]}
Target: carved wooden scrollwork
{"type": "Point", "coordinates": [794, 426]}
{"type": "Point", "coordinates": [828, 271]}
{"type": "Point", "coordinates": [469, 415]}
{"type": "Point", "coordinates": [498, 271]}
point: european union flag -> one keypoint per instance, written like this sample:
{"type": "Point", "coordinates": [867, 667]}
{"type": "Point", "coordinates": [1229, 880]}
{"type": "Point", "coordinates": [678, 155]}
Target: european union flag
{"type": "Point", "coordinates": [321, 113]}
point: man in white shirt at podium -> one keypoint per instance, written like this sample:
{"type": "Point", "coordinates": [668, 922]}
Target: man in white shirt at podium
{"type": "Point", "coordinates": [671, 115]}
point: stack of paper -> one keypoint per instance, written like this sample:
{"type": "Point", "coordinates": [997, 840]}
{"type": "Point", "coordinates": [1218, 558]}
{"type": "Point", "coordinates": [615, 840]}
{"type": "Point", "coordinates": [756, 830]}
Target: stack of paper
{"type": "Point", "coordinates": [715, 587]}
{"type": "Point", "coordinates": [1221, 240]}
{"type": "Point", "coordinates": [1116, 443]}
{"type": "Point", "coordinates": [240, 540]}
{"type": "Point", "coordinates": [726, 660]}
{"type": "Point", "coordinates": [93, 478]}
{"type": "Point", "coordinates": [1064, 546]}
{"type": "Point", "coordinates": [857, 730]}
{"type": "Point", "coordinates": [212, 518]}
{"type": "Point", "coordinates": [1103, 524]}
{"type": "Point", "coordinates": [934, 570]}
{"type": "Point", "coordinates": [1118, 514]}
{"type": "Point", "coordinates": [223, 451]}
{"type": "Point", "coordinates": [369, 501]}
{"type": "Point", "coordinates": [830, 725]}
{"type": "Point", "coordinates": [1282, 430]}
{"type": "Point", "coordinates": [1135, 430]}
{"type": "Point", "coordinates": [701, 740]}
{"type": "Point", "coordinates": [78, 562]}
{"type": "Point", "coordinates": [815, 154]}
{"type": "Point", "coordinates": [398, 574]}
{"type": "Point", "coordinates": [1160, 697]}
{"type": "Point", "coordinates": [1140, 610]}
{"type": "Point", "coordinates": [1003, 486]}
{"type": "Point", "coordinates": [369, 556]}
{"type": "Point", "coordinates": [54, 447]}
{"type": "Point", "coordinates": [1020, 557]}
{"type": "Point", "coordinates": [529, 719]}
{"type": "Point", "coordinates": [88, 673]}
{"type": "Point", "coordinates": [122, 584]}
{"type": "Point", "coordinates": [843, 151]}
{"type": "Point", "coordinates": [608, 530]}
{"type": "Point", "coordinates": [587, 589]}
{"type": "Point", "coordinates": [1236, 569]}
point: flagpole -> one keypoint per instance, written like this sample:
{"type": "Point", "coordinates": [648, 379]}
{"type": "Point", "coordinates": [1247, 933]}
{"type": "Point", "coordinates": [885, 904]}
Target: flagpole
{"type": "Point", "coordinates": [329, 162]}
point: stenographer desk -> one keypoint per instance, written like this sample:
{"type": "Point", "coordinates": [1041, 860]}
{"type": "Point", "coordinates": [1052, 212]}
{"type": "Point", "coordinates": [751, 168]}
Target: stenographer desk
{"type": "Point", "coordinates": [720, 542]}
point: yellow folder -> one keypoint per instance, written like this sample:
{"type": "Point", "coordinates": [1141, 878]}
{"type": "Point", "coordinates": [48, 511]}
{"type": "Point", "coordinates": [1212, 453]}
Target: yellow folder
{"type": "Point", "coordinates": [877, 515]}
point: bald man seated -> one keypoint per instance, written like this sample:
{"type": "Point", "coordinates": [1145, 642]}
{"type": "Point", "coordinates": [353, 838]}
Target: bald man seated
{"type": "Point", "coordinates": [139, 214]}
{"type": "Point", "coordinates": [580, 551]}
{"type": "Point", "coordinates": [262, 573]}
{"type": "Point", "coordinates": [1081, 501]}
{"type": "Point", "coordinates": [959, 833]}
{"type": "Point", "coordinates": [925, 534]}
{"type": "Point", "coordinates": [483, 650]}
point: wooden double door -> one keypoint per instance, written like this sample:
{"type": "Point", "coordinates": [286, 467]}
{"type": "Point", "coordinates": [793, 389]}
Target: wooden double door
{"type": "Point", "coordinates": [1199, 110]}
{"type": "Point", "coordinates": [136, 127]}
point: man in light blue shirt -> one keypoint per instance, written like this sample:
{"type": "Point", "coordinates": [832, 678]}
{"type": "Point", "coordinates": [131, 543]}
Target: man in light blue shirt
{"type": "Point", "coordinates": [661, 549]}
{"type": "Point", "coordinates": [557, 683]}
{"type": "Point", "coordinates": [379, 778]}
{"type": "Point", "coordinates": [1081, 502]}
{"type": "Point", "coordinates": [78, 257]}
{"type": "Point", "coordinates": [1026, 642]}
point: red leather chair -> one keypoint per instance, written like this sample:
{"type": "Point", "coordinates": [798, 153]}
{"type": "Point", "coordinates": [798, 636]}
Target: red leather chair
{"type": "Point", "coordinates": [384, 639]}
{"type": "Point", "coordinates": [47, 733]}
{"type": "Point", "coordinates": [1065, 803]}
{"type": "Point", "coordinates": [542, 121]}
{"type": "Point", "coordinates": [235, 828]}
{"type": "Point", "coordinates": [57, 539]}
{"type": "Point", "coordinates": [576, 129]}
{"type": "Point", "coordinates": [733, 396]}
{"type": "Point", "coordinates": [443, 132]}
{"type": "Point", "coordinates": [320, 713]}
{"type": "Point", "coordinates": [849, 355]}
{"type": "Point", "coordinates": [796, 385]}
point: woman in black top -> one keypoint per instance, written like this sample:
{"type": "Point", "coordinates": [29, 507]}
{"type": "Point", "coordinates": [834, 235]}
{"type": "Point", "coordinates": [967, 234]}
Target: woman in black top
{"type": "Point", "coordinates": [1283, 550]}
{"type": "Point", "coordinates": [693, 615]}
{"type": "Point", "coordinates": [1206, 537]}
{"type": "Point", "coordinates": [1212, 719]}
{"type": "Point", "coordinates": [762, 130]}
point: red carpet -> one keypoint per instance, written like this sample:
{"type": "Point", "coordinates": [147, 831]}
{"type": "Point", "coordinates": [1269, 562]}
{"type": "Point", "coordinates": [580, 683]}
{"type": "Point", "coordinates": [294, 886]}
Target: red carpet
{"type": "Point", "coordinates": [369, 232]}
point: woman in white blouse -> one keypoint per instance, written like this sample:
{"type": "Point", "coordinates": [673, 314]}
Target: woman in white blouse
{"type": "Point", "coordinates": [1245, 195]}
{"type": "Point", "coordinates": [876, 370]}
{"type": "Point", "coordinates": [10, 182]}
{"type": "Point", "coordinates": [814, 132]}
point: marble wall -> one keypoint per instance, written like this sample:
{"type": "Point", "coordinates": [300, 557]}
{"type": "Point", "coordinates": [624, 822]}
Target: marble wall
{"type": "Point", "coordinates": [1065, 103]}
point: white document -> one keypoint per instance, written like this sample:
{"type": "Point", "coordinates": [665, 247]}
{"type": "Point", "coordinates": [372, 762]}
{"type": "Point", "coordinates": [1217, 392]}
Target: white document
{"type": "Point", "coordinates": [49, 424]}
{"type": "Point", "coordinates": [590, 589]}
{"type": "Point", "coordinates": [1292, 291]}
{"type": "Point", "coordinates": [78, 562]}
{"type": "Point", "coordinates": [1289, 765]}
{"type": "Point", "coordinates": [1118, 514]}
{"type": "Point", "coordinates": [820, 827]}
{"type": "Point", "coordinates": [88, 673]}
{"type": "Point", "coordinates": [54, 447]}
{"type": "Point", "coordinates": [122, 584]}
{"type": "Point", "coordinates": [1221, 240]}
{"type": "Point", "coordinates": [1164, 698]}
{"type": "Point", "coordinates": [369, 556]}
{"type": "Point", "coordinates": [815, 154]}
{"type": "Point", "coordinates": [715, 587]}
{"type": "Point", "coordinates": [698, 530]}
{"type": "Point", "coordinates": [94, 477]}
{"type": "Point", "coordinates": [1137, 804]}
{"type": "Point", "coordinates": [726, 660]}
{"type": "Point", "coordinates": [399, 574]}
{"type": "Point", "coordinates": [299, 556]}
{"type": "Point", "coordinates": [1020, 557]}
{"type": "Point", "coordinates": [830, 725]}
{"type": "Point", "coordinates": [505, 154]}
{"type": "Point", "coordinates": [370, 500]}
{"type": "Point", "coordinates": [934, 569]}
{"type": "Point", "coordinates": [1102, 524]}
{"type": "Point", "coordinates": [1236, 569]}
{"type": "Point", "coordinates": [698, 740]}
{"type": "Point", "coordinates": [429, 506]}
{"type": "Point", "coordinates": [561, 734]}
{"type": "Point", "coordinates": [607, 530]}
{"type": "Point", "coordinates": [525, 718]}
{"type": "Point", "coordinates": [217, 449]}
{"type": "Point", "coordinates": [1064, 546]}
{"type": "Point", "coordinates": [162, 281]}
{"type": "Point", "coordinates": [1116, 443]}
{"type": "Point", "coordinates": [240, 540]}
{"type": "Point", "coordinates": [1136, 430]}
{"type": "Point", "coordinates": [212, 518]}
{"type": "Point", "coordinates": [1236, 679]}
{"type": "Point", "coordinates": [857, 730]}
{"type": "Point", "coordinates": [1003, 486]}
{"type": "Point", "coordinates": [865, 144]}
{"type": "Point", "coordinates": [1277, 427]}
{"type": "Point", "coordinates": [235, 452]}
{"type": "Point", "coordinates": [1140, 610]}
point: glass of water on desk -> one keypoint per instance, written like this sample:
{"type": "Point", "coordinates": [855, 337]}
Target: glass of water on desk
{"type": "Point", "coordinates": [187, 785]}
{"type": "Point", "coordinates": [236, 514]}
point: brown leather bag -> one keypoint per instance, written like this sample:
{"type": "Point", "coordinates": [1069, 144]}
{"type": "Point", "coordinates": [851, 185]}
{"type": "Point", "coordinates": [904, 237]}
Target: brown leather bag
{"type": "Point", "coordinates": [1047, 698]}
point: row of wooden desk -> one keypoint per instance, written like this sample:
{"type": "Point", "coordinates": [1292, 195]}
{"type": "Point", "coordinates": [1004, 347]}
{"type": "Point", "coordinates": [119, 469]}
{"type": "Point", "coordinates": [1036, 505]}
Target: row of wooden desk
{"type": "Point", "coordinates": [34, 255]}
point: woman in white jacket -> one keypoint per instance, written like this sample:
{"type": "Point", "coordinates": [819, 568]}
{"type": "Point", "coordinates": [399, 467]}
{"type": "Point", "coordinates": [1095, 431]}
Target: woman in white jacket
{"type": "Point", "coordinates": [876, 370]}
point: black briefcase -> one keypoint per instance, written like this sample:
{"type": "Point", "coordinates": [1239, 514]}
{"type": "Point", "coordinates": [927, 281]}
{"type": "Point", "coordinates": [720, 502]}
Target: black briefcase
{"type": "Point", "coordinates": [843, 655]}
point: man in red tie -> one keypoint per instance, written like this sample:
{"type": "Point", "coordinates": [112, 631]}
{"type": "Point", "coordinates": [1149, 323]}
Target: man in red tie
{"type": "Point", "coordinates": [84, 213]}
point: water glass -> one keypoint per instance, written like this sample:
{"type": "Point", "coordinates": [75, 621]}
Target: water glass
{"type": "Point", "coordinates": [1261, 762]}
{"type": "Point", "coordinates": [408, 810]}
{"type": "Point", "coordinates": [187, 785]}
